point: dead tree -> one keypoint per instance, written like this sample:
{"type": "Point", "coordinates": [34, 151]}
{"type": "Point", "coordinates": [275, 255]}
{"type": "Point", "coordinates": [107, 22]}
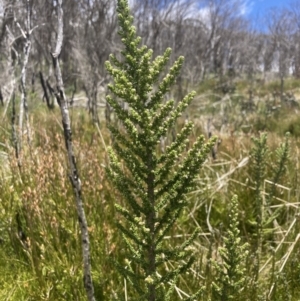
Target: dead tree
{"type": "Point", "coordinates": [74, 176]}
{"type": "Point", "coordinates": [1, 98]}
{"type": "Point", "coordinates": [281, 30]}
{"type": "Point", "coordinates": [45, 86]}
{"type": "Point", "coordinates": [14, 136]}
{"type": "Point", "coordinates": [26, 50]}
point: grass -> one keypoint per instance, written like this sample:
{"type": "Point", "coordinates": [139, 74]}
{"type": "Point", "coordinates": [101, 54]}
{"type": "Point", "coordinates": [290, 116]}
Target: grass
{"type": "Point", "coordinates": [48, 266]}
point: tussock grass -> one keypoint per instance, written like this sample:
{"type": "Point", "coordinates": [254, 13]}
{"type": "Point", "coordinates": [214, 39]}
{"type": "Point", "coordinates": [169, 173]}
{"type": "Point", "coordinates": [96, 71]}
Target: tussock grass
{"type": "Point", "coordinates": [47, 264]}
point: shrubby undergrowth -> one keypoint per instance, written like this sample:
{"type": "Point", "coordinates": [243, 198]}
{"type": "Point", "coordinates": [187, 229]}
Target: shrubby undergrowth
{"type": "Point", "coordinates": [181, 230]}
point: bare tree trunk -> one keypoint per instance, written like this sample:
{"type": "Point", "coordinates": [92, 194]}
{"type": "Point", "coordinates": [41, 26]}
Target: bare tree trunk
{"type": "Point", "coordinates": [74, 176]}
{"type": "Point", "coordinates": [50, 105]}
{"type": "Point", "coordinates": [281, 86]}
{"type": "Point", "coordinates": [1, 97]}
{"type": "Point", "coordinates": [11, 66]}
{"type": "Point", "coordinates": [92, 101]}
{"type": "Point", "coordinates": [73, 93]}
{"type": "Point", "coordinates": [23, 104]}
{"type": "Point", "coordinates": [33, 82]}
{"type": "Point", "coordinates": [94, 104]}
{"type": "Point", "coordinates": [14, 136]}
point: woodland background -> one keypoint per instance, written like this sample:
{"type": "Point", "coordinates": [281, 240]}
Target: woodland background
{"type": "Point", "coordinates": [215, 37]}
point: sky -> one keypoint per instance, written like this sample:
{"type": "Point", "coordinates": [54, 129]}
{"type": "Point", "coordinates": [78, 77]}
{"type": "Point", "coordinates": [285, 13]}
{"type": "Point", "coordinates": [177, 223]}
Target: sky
{"type": "Point", "coordinates": [257, 11]}
{"type": "Point", "coordinates": [260, 8]}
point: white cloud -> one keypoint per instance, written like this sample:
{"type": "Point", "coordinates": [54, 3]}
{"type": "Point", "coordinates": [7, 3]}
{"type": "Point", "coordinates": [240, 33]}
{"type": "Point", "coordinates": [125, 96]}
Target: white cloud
{"type": "Point", "coordinates": [246, 7]}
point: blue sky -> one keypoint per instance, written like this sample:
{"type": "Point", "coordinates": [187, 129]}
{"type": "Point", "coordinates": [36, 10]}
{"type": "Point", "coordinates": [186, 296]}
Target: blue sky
{"type": "Point", "coordinates": [261, 7]}
{"type": "Point", "coordinates": [257, 10]}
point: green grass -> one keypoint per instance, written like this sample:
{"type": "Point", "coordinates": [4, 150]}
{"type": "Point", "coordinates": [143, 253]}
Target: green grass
{"type": "Point", "coordinates": [48, 266]}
